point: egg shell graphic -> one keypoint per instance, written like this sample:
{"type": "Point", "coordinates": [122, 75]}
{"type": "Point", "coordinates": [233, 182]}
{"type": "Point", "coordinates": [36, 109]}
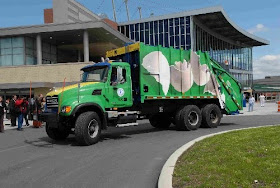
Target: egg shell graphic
{"type": "Point", "coordinates": [201, 73]}
{"type": "Point", "coordinates": [210, 87]}
{"type": "Point", "coordinates": [181, 76]}
{"type": "Point", "coordinates": [157, 65]}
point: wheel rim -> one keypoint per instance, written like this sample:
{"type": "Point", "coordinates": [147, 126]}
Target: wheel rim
{"type": "Point", "coordinates": [193, 118]}
{"type": "Point", "coordinates": [213, 116]}
{"type": "Point", "coordinates": [93, 128]}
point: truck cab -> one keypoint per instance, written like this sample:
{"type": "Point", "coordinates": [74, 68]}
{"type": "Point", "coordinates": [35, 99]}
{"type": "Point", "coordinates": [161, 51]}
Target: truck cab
{"type": "Point", "coordinates": [104, 88]}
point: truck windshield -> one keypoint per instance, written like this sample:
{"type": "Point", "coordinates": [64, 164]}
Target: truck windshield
{"type": "Point", "coordinates": [95, 74]}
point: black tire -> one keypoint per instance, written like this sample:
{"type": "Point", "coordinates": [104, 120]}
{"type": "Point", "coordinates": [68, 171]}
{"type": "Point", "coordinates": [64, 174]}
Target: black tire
{"type": "Point", "coordinates": [88, 128]}
{"type": "Point", "coordinates": [188, 118]}
{"type": "Point", "coordinates": [57, 134]}
{"type": "Point", "coordinates": [160, 120]}
{"type": "Point", "coordinates": [211, 116]}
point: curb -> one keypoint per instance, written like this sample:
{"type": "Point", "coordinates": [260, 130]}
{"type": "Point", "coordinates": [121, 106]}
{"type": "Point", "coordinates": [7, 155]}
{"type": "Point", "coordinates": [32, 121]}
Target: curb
{"type": "Point", "coordinates": [165, 178]}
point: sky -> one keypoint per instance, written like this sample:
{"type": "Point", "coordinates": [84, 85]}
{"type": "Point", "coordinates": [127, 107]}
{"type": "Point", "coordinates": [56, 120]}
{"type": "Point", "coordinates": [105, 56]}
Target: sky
{"type": "Point", "coordinates": [261, 18]}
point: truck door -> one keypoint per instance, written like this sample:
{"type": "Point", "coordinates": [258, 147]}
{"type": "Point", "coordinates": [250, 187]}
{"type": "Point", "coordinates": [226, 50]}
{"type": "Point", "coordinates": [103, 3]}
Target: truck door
{"type": "Point", "coordinates": [120, 91]}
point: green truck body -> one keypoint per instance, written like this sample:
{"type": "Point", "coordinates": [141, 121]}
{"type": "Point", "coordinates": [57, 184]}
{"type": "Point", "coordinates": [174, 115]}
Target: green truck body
{"type": "Point", "coordinates": [165, 85]}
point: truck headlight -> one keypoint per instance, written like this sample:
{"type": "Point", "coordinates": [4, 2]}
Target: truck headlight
{"type": "Point", "coordinates": [66, 109]}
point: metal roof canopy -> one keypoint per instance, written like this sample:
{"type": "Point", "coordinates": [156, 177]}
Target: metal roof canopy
{"type": "Point", "coordinates": [102, 37]}
{"type": "Point", "coordinates": [216, 20]}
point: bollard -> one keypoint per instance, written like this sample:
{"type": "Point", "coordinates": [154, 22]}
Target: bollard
{"type": "Point", "coordinates": [278, 106]}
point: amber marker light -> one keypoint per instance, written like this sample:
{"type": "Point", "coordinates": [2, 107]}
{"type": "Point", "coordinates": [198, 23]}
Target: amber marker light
{"type": "Point", "coordinates": [67, 109]}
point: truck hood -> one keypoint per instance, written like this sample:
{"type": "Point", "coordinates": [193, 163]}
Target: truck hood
{"type": "Point", "coordinates": [57, 91]}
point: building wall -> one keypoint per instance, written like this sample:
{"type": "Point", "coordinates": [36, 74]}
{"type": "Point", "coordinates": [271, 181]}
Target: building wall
{"type": "Point", "coordinates": [67, 11]}
{"type": "Point", "coordinates": [43, 73]}
{"type": "Point", "coordinates": [111, 23]}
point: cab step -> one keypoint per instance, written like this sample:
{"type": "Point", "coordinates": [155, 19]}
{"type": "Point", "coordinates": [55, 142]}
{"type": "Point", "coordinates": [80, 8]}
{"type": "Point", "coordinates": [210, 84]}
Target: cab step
{"type": "Point", "coordinates": [126, 125]}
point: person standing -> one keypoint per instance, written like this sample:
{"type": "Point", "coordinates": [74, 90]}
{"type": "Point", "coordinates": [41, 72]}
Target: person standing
{"type": "Point", "coordinates": [262, 99]}
{"type": "Point", "coordinates": [12, 107]}
{"type": "Point", "coordinates": [38, 110]}
{"type": "Point", "coordinates": [25, 111]}
{"type": "Point", "coordinates": [2, 108]}
{"type": "Point", "coordinates": [251, 103]}
{"type": "Point", "coordinates": [19, 108]}
{"type": "Point", "coordinates": [8, 112]}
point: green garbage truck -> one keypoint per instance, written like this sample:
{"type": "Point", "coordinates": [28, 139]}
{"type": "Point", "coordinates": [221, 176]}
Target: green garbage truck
{"type": "Point", "coordinates": [165, 85]}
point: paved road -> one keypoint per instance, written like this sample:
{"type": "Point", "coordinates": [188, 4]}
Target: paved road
{"type": "Point", "coordinates": [126, 157]}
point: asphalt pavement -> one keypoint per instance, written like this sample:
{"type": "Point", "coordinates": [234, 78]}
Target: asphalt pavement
{"type": "Point", "coordinates": [129, 157]}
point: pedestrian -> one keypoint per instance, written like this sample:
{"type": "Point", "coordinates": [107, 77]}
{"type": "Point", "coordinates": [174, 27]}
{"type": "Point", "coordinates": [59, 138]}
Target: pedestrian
{"type": "Point", "coordinates": [262, 99]}
{"type": "Point", "coordinates": [12, 108]}
{"type": "Point", "coordinates": [43, 104]}
{"type": "Point", "coordinates": [19, 108]}
{"type": "Point", "coordinates": [2, 108]}
{"type": "Point", "coordinates": [251, 103]}
{"type": "Point", "coordinates": [25, 111]}
{"type": "Point", "coordinates": [8, 112]}
{"type": "Point", "coordinates": [38, 110]}
{"type": "Point", "coordinates": [244, 100]}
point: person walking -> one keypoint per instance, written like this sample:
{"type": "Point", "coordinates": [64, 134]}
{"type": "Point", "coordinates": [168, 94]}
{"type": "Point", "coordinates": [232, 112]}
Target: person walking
{"type": "Point", "coordinates": [12, 107]}
{"type": "Point", "coordinates": [2, 108]}
{"type": "Point", "coordinates": [19, 108]}
{"type": "Point", "coordinates": [262, 99]}
{"type": "Point", "coordinates": [251, 103]}
{"type": "Point", "coordinates": [25, 111]}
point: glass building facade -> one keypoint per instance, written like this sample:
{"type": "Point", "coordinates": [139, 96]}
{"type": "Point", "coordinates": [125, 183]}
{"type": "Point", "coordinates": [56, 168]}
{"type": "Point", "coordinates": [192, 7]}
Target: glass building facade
{"type": "Point", "coordinates": [16, 51]}
{"type": "Point", "coordinates": [174, 32]}
{"type": "Point", "coordinates": [184, 33]}
{"type": "Point", "coordinates": [236, 59]}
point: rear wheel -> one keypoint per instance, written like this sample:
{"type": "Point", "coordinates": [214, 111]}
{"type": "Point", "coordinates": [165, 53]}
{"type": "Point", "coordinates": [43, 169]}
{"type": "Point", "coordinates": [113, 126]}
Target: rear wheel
{"type": "Point", "coordinates": [57, 134]}
{"type": "Point", "coordinates": [211, 116]}
{"type": "Point", "coordinates": [88, 128]}
{"type": "Point", "coordinates": [188, 118]}
{"type": "Point", "coordinates": [160, 120]}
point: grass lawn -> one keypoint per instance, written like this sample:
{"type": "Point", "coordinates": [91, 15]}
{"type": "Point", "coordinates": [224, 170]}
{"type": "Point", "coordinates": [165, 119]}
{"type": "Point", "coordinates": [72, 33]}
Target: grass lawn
{"type": "Point", "coordinates": [235, 159]}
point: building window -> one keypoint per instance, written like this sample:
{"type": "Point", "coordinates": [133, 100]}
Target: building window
{"type": "Point", "coordinates": [147, 33]}
{"type": "Point", "coordinates": [12, 51]}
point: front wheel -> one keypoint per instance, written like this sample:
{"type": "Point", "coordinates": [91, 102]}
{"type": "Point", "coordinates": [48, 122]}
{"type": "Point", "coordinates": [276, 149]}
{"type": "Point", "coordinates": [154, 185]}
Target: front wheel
{"type": "Point", "coordinates": [57, 134]}
{"type": "Point", "coordinates": [88, 128]}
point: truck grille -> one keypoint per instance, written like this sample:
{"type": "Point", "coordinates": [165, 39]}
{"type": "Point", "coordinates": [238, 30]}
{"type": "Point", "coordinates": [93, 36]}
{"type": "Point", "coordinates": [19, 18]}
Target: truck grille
{"type": "Point", "coordinates": [52, 102]}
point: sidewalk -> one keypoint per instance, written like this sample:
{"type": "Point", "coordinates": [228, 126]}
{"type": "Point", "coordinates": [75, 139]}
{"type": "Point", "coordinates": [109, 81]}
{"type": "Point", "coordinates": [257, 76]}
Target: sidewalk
{"type": "Point", "coordinates": [269, 108]}
{"type": "Point", "coordinates": [7, 124]}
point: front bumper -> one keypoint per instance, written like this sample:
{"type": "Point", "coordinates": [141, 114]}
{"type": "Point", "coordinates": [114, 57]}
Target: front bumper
{"type": "Point", "coordinates": [52, 119]}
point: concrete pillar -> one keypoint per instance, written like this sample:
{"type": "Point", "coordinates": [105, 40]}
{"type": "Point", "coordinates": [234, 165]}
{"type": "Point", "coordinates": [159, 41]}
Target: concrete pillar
{"type": "Point", "coordinates": [79, 56]}
{"type": "Point", "coordinates": [39, 49]}
{"type": "Point", "coordinates": [86, 46]}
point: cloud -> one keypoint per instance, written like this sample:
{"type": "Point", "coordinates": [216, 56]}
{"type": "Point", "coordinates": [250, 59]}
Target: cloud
{"type": "Point", "coordinates": [257, 28]}
{"type": "Point", "coordinates": [268, 65]}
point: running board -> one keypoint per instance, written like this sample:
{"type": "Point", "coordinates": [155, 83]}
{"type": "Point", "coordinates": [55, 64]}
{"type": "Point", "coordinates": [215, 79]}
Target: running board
{"type": "Point", "coordinates": [126, 125]}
